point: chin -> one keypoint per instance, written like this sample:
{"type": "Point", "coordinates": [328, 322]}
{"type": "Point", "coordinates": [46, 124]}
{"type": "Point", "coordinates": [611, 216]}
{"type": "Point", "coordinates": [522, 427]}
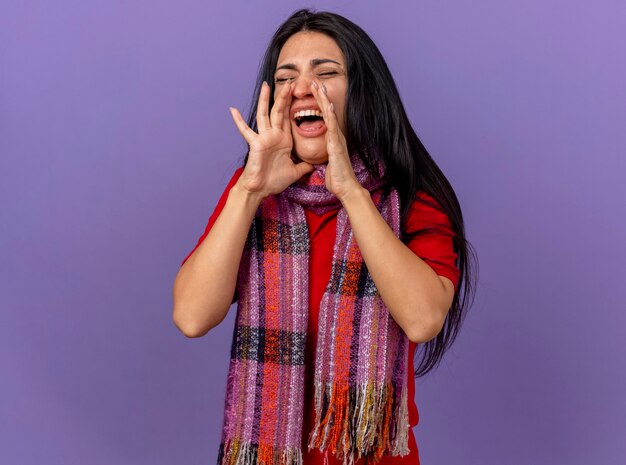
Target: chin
{"type": "Point", "coordinates": [313, 159]}
{"type": "Point", "coordinates": [312, 153]}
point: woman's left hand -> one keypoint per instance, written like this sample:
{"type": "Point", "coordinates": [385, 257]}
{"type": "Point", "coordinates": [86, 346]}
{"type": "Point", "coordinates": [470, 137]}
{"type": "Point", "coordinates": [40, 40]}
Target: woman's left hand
{"type": "Point", "coordinates": [340, 178]}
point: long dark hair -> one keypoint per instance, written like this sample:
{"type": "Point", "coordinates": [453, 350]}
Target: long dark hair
{"type": "Point", "coordinates": [377, 128]}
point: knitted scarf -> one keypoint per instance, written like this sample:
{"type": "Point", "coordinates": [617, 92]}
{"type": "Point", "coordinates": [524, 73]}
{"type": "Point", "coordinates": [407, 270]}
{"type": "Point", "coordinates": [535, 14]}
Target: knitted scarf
{"type": "Point", "coordinates": [361, 356]}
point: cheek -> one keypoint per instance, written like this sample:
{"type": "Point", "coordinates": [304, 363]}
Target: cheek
{"type": "Point", "coordinates": [338, 102]}
{"type": "Point", "coordinates": [338, 99]}
{"type": "Point", "coordinates": [341, 116]}
{"type": "Point", "coordinates": [277, 88]}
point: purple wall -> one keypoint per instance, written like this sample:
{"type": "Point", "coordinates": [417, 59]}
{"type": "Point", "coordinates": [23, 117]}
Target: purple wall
{"type": "Point", "coordinates": [115, 142]}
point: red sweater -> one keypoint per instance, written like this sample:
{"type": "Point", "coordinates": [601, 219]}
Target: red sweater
{"type": "Point", "coordinates": [435, 249]}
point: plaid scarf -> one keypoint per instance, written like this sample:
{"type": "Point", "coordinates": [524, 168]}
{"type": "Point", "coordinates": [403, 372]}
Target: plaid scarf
{"type": "Point", "coordinates": [360, 379]}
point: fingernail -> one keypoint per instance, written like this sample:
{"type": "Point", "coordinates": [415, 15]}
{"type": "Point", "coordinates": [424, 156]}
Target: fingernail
{"type": "Point", "coordinates": [324, 89]}
{"type": "Point", "coordinates": [315, 85]}
{"type": "Point", "coordinates": [331, 107]}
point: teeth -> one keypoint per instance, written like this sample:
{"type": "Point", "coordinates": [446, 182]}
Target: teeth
{"type": "Point", "coordinates": [300, 114]}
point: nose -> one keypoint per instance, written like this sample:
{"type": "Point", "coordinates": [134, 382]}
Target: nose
{"type": "Point", "coordinates": [302, 86]}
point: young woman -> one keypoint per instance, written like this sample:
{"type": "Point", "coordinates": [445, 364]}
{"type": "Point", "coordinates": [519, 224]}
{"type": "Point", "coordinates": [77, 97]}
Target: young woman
{"type": "Point", "coordinates": [343, 244]}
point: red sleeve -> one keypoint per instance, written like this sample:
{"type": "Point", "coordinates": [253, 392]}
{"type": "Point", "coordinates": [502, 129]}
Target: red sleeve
{"type": "Point", "coordinates": [436, 247]}
{"type": "Point", "coordinates": [217, 211]}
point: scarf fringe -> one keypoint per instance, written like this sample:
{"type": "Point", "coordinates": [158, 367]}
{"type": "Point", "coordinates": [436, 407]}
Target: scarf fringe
{"type": "Point", "coordinates": [245, 453]}
{"type": "Point", "coordinates": [379, 424]}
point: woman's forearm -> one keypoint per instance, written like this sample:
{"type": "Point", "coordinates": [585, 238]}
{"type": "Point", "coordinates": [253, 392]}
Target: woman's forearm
{"type": "Point", "coordinates": [417, 298]}
{"type": "Point", "coordinates": [205, 284]}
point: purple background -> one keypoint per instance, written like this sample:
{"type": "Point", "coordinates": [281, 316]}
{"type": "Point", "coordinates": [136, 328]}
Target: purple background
{"type": "Point", "coordinates": [116, 141]}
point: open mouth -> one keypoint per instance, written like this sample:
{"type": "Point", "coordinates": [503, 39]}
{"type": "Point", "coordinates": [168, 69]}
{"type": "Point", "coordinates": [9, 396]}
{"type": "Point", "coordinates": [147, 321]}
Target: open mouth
{"type": "Point", "coordinates": [308, 119]}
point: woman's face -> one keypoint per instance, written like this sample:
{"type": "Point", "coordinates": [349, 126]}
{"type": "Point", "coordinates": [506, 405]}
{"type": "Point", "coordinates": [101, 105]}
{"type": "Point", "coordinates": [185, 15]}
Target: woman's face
{"type": "Point", "coordinates": [306, 56]}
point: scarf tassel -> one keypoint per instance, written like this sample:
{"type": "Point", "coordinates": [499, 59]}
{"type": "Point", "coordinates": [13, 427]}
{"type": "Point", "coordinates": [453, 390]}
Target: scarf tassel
{"type": "Point", "coordinates": [379, 423]}
{"type": "Point", "coordinates": [245, 453]}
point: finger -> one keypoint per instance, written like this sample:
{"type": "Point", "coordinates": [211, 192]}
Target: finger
{"type": "Point", "coordinates": [276, 116]}
{"type": "Point", "coordinates": [328, 109]}
{"type": "Point", "coordinates": [287, 110]}
{"type": "Point", "coordinates": [262, 109]}
{"type": "Point", "coordinates": [303, 168]}
{"type": "Point", "coordinates": [247, 133]}
{"type": "Point", "coordinates": [335, 140]}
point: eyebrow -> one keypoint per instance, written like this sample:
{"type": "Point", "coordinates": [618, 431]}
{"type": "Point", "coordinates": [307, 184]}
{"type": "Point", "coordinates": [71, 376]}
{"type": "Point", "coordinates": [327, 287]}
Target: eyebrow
{"type": "Point", "coordinates": [315, 62]}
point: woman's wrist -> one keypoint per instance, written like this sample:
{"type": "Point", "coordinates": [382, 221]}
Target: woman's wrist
{"type": "Point", "coordinates": [249, 199]}
{"type": "Point", "coordinates": [354, 197]}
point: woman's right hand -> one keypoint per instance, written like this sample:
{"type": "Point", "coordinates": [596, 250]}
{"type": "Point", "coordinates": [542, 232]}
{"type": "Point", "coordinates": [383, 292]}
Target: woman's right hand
{"type": "Point", "coordinates": [270, 168]}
